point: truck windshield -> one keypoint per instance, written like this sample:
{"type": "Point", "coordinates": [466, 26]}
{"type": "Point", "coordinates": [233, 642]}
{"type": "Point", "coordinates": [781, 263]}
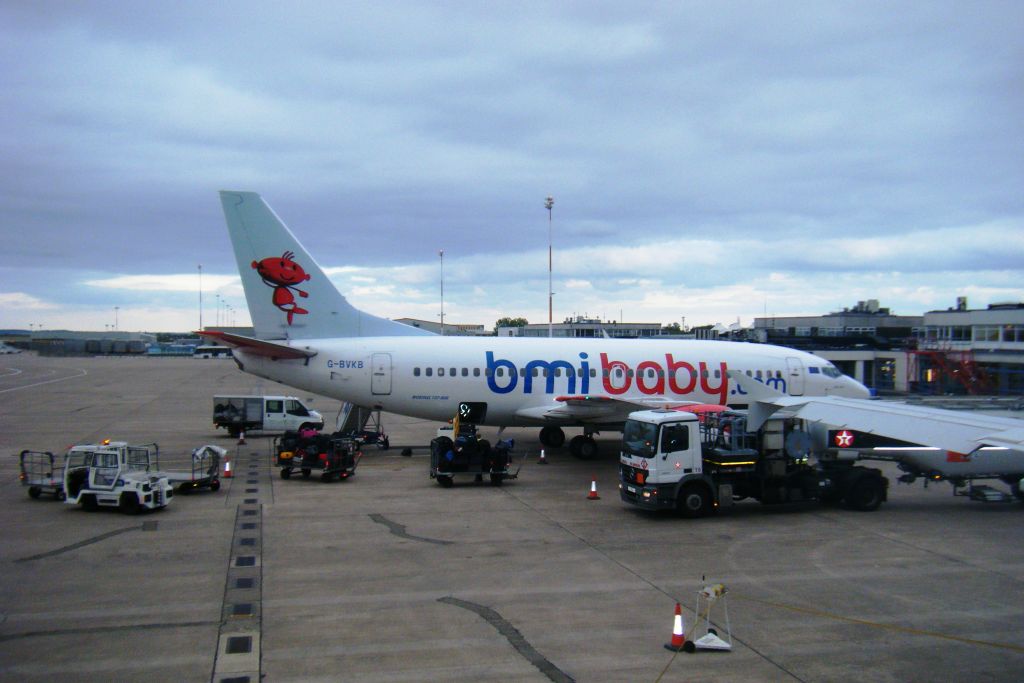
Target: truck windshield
{"type": "Point", "coordinates": [296, 408]}
{"type": "Point", "coordinates": [639, 438]}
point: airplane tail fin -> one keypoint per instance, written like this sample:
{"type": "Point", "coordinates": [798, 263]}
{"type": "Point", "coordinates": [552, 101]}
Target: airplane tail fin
{"type": "Point", "coordinates": [288, 294]}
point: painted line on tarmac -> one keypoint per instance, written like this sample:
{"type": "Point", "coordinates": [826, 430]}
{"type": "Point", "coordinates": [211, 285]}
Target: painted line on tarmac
{"type": "Point", "coordinates": [399, 530]}
{"type": "Point", "coordinates": [514, 637]}
{"type": "Point", "coordinates": [82, 373]}
{"type": "Point", "coordinates": [146, 526]}
{"type": "Point", "coordinates": [104, 629]}
{"type": "Point", "coordinates": [876, 624]}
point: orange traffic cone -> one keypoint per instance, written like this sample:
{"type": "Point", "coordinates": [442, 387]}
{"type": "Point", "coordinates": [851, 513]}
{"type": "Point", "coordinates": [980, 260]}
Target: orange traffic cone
{"type": "Point", "coordinates": [228, 474]}
{"type": "Point", "coordinates": [678, 639]}
{"type": "Point", "coordinates": [593, 490]}
{"type": "Point", "coordinates": [543, 459]}
{"type": "Point", "coordinates": [241, 438]}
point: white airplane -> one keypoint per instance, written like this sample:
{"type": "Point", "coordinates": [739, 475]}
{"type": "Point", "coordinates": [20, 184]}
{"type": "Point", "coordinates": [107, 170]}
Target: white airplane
{"type": "Point", "coordinates": [931, 443]}
{"type": "Point", "coordinates": [307, 335]}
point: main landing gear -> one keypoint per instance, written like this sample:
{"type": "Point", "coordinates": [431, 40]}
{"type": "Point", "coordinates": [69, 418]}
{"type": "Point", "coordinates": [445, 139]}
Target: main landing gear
{"type": "Point", "coordinates": [583, 446]}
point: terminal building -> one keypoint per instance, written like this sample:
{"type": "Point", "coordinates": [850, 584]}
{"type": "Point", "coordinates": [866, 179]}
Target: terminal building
{"type": "Point", "coordinates": [955, 351]}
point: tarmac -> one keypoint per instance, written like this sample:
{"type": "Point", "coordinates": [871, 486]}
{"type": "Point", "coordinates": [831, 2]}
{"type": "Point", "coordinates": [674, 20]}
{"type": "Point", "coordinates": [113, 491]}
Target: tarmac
{"type": "Point", "coordinates": [389, 577]}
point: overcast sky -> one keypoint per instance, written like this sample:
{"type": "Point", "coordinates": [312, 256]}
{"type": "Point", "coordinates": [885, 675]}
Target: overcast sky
{"type": "Point", "coordinates": [709, 160]}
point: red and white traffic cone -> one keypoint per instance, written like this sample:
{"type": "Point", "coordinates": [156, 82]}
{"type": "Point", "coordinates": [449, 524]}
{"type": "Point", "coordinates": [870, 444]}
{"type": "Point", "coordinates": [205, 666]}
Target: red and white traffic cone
{"type": "Point", "coordinates": [678, 639]}
{"type": "Point", "coordinates": [241, 438]}
{"type": "Point", "coordinates": [228, 474]}
{"type": "Point", "coordinates": [593, 490]}
{"type": "Point", "coordinates": [543, 459]}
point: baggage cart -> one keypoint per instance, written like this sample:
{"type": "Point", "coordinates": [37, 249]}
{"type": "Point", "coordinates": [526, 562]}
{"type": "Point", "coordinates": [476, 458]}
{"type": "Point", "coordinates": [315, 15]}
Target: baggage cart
{"type": "Point", "coordinates": [332, 456]}
{"type": "Point", "coordinates": [42, 473]}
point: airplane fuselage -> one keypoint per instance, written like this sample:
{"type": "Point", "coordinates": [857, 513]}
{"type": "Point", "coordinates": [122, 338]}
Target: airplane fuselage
{"type": "Point", "coordinates": [521, 378]}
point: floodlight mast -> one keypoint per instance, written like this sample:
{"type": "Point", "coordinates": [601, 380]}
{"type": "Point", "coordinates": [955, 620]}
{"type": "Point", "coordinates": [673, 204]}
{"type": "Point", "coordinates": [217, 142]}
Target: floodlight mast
{"type": "Point", "coordinates": [548, 204]}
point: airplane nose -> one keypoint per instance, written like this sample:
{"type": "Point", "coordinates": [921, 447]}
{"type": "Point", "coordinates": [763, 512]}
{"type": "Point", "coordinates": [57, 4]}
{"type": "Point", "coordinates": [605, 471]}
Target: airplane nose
{"type": "Point", "coordinates": [855, 389]}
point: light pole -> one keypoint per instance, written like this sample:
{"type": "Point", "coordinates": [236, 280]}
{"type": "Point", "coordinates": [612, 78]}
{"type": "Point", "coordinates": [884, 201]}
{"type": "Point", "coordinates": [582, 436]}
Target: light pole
{"type": "Point", "coordinates": [440, 253]}
{"type": "Point", "coordinates": [200, 297]}
{"type": "Point", "coordinates": [115, 317]}
{"type": "Point", "coordinates": [548, 204]}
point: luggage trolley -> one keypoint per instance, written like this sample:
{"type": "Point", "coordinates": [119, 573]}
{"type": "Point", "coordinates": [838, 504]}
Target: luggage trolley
{"type": "Point", "coordinates": [332, 456]}
{"type": "Point", "coordinates": [41, 474]}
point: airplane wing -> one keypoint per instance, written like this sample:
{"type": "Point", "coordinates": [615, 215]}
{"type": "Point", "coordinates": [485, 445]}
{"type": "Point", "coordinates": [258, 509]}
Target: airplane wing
{"type": "Point", "coordinates": [595, 408]}
{"type": "Point", "coordinates": [259, 347]}
{"type": "Point", "coordinates": [951, 430]}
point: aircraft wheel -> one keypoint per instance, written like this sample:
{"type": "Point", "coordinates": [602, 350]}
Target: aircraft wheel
{"type": "Point", "coordinates": [583, 447]}
{"type": "Point", "coordinates": [693, 501]}
{"type": "Point", "coordinates": [552, 437]}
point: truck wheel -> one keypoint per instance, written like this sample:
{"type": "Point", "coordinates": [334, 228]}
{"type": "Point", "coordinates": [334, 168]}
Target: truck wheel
{"type": "Point", "coordinates": [128, 504]}
{"type": "Point", "coordinates": [34, 491]}
{"type": "Point", "coordinates": [444, 481]}
{"type": "Point", "coordinates": [233, 432]}
{"type": "Point", "coordinates": [286, 473]}
{"type": "Point", "coordinates": [215, 485]}
{"type": "Point", "coordinates": [60, 495]}
{"type": "Point", "coordinates": [89, 503]}
{"type": "Point", "coordinates": [497, 479]}
{"type": "Point", "coordinates": [306, 472]}
{"type": "Point", "coordinates": [693, 501]}
{"type": "Point", "coordinates": [865, 495]}
{"type": "Point", "coordinates": [384, 444]}
{"type": "Point", "coordinates": [327, 476]}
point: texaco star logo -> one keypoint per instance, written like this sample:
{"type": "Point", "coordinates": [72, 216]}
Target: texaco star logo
{"type": "Point", "coordinates": [844, 439]}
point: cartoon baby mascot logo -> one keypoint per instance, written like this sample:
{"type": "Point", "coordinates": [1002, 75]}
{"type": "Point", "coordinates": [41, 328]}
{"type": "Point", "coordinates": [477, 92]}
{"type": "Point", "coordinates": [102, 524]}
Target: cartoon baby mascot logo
{"type": "Point", "coordinates": [283, 274]}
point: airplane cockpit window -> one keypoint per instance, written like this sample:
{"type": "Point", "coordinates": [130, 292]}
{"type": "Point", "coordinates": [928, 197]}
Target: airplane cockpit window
{"type": "Point", "coordinates": [831, 371]}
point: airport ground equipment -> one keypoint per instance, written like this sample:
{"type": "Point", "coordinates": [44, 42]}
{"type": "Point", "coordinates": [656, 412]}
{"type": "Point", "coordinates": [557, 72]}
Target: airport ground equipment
{"type": "Point", "coordinates": [932, 464]}
{"type": "Point", "coordinates": [205, 471]}
{"type": "Point", "coordinates": [115, 474]}
{"type": "Point", "coordinates": [707, 598]}
{"type": "Point", "coordinates": [673, 460]}
{"type": "Point", "coordinates": [240, 414]}
{"type": "Point", "coordinates": [332, 456]}
{"type": "Point", "coordinates": [471, 456]}
{"type": "Point", "coordinates": [363, 424]}
{"type": "Point", "coordinates": [42, 472]}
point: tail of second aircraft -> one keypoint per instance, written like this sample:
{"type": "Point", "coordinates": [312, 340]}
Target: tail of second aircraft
{"type": "Point", "coordinates": [289, 295]}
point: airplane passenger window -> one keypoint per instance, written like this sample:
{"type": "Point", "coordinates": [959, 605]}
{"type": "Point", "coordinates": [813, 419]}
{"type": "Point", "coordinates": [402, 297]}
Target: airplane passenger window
{"type": "Point", "coordinates": [593, 372]}
{"type": "Point", "coordinates": [415, 372]}
{"type": "Point", "coordinates": [749, 374]}
{"type": "Point", "coordinates": [500, 372]}
{"type": "Point", "coordinates": [718, 374]}
{"type": "Point", "coordinates": [452, 372]}
{"type": "Point", "coordinates": [430, 372]}
{"type": "Point", "coordinates": [476, 372]}
{"type": "Point", "coordinates": [757, 375]}
{"type": "Point", "coordinates": [465, 372]}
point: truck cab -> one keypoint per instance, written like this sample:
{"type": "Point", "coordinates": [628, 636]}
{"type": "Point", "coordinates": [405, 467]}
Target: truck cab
{"type": "Point", "coordinates": [695, 465]}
